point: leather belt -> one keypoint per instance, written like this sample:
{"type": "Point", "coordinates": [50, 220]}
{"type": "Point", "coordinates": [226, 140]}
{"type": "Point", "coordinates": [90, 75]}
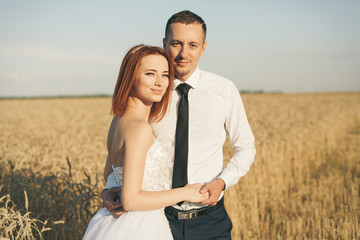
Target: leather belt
{"type": "Point", "coordinates": [193, 213]}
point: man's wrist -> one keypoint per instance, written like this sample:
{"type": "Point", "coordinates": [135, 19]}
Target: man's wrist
{"type": "Point", "coordinates": [223, 182]}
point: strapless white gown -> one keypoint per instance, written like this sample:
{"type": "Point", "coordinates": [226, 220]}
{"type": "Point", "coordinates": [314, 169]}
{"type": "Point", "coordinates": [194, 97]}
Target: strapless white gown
{"type": "Point", "coordinates": [138, 224]}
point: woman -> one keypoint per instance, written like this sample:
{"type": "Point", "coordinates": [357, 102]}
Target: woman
{"type": "Point", "coordinates": [141, 165]}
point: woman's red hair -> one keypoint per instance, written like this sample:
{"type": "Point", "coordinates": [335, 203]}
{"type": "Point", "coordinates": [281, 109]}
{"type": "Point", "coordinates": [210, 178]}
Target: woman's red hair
{"type": "Point", "coordinates": [125, 80]}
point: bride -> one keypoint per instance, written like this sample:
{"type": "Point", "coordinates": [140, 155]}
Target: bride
{"type": "Point", "coordinates": [141, 164]}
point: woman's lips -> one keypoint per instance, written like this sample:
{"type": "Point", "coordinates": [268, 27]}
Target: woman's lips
{"type": "Point", "coordinates": [157, 91]}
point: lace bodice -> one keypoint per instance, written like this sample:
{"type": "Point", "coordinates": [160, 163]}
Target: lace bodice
{"type": "Point", "coordinates": [158, 169]}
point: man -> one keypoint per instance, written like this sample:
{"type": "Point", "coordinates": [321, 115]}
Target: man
{"type": "Point", "coordinates": [200, 114]}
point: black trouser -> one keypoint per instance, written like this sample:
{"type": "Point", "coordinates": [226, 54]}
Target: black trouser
{"type": "Point", "coordinates": [215, 225]}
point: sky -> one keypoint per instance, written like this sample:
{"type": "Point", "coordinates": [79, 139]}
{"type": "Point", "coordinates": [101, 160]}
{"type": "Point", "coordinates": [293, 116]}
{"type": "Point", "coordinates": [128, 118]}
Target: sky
{"type": "Point", "coordinates": [51, 48]}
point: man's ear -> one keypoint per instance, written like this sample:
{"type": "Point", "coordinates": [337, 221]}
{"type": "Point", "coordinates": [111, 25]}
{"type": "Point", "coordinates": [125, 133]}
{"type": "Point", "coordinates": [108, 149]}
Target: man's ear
{"type": "Point", "coordinates": [203, 48]}
{"type": "Point", "coordinates": [164, 42]}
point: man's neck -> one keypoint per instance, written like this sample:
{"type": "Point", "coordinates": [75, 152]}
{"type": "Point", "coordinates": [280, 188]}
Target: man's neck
{"type": "Point", "coordinates": [185, 77]}
{"type": "Point", "coordinates": [182, 78]}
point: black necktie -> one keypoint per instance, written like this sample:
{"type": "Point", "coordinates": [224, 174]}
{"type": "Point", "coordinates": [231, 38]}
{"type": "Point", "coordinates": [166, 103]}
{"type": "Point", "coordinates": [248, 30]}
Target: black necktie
{"type": "Point", "coordinates": [181, 139]}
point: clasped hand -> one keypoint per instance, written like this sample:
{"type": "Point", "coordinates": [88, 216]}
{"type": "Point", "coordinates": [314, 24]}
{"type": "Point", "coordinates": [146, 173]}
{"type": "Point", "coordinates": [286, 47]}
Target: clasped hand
{"type": "Point", "coordinates": [112, 202]}
{"type": "Point", "coordinates": [207, 194]}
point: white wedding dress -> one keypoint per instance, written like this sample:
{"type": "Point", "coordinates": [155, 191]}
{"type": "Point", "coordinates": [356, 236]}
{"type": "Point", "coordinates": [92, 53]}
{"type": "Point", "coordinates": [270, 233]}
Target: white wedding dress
{"type": "Point", "coordinates": [138, 224]}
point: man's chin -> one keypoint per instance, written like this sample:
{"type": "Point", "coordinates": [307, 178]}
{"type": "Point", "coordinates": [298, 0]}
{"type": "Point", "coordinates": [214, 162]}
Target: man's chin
{"type": "Point", "coordinates": [181, 72]}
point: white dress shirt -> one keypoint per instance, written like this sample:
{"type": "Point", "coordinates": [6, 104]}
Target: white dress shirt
{"type": "Point", "coordinates": [215, 108]}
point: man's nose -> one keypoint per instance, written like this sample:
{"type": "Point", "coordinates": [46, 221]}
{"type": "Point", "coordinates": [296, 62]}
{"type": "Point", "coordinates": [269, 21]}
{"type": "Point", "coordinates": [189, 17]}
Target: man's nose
{"type": "Point", "coordinates": [184, 53]}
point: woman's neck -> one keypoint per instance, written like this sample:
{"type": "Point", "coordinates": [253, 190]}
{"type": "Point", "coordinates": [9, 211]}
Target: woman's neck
{"type": "Point", "coordinates": [138, 109]}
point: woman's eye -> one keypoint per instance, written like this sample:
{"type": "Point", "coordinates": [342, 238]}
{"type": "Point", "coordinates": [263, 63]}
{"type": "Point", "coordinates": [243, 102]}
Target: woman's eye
{"type": "Point", "coordinates": [149, 74]}
{"type": "Point", "coordinates": [166, 75]}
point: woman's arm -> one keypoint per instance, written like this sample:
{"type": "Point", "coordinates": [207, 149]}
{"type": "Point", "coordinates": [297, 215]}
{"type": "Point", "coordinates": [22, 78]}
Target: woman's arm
{"type": "Point", "coordinates": [112, 130]}
{"type": "Point", "coordinates": [108, 169]}
{"type": "Point", "coordinates": [137, 141]}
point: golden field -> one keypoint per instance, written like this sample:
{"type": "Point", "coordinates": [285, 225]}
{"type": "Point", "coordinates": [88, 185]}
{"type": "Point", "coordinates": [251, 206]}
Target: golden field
{"type": "Point", "coordinates": [304, 183]}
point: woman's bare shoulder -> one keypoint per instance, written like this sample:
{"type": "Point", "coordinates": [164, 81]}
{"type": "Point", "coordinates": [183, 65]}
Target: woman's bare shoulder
{"type": "Point", "coordinates": [125, 125]}
{"type": "Point", "coordinates": [138, 130]}
{"type": "Point", "coordinates": [128, 129]}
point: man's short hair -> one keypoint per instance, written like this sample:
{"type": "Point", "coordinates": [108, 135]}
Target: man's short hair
{"type": "Point", "coordinates": [186, 17]}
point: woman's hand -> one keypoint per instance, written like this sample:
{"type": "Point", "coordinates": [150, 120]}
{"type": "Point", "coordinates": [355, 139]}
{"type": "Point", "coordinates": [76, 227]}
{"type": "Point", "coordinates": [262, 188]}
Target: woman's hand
{"type": "Point", "coordinates": [193, 193]}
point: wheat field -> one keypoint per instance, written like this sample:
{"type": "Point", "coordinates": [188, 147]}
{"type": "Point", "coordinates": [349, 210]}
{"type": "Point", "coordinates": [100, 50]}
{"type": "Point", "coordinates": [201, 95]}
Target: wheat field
{"type": "Point", "coordinates": [304, 183]}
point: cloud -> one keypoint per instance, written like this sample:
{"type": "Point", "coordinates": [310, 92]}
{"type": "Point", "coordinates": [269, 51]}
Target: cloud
{"type": "Point", "coordinates": [69, 86]}
{"type": "Point", "coordinates": [15, 77]}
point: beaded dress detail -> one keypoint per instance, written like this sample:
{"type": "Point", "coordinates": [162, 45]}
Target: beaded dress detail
{"type": "Point", "coordinates": [138, 224]}
{"type": "Point", "coordinates": [158, 169]}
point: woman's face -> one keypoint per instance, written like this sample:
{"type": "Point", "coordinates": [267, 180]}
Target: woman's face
{"type": "Point", "coordinates": [151, 79]}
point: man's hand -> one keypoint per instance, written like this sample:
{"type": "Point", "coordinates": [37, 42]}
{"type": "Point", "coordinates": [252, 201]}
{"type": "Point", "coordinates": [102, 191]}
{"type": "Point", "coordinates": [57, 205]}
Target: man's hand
{"type": "Point", "coordinates": [112, 201]}
{"type": "Point", "coordinates": [214, 189]}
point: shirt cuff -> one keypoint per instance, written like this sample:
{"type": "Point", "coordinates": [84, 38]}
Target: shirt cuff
{"type": "Point", "coordinates": [111, 181]}
{"type": "Point", "coordinates": [226, 181]}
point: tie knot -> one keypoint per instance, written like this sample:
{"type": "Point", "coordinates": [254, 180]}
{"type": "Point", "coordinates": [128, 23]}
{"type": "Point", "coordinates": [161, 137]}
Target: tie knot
{"type": "Point", "coordinates": [183, 88]}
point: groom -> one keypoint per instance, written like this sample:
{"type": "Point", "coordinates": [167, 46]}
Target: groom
{"type": "Point", "coordinates": [203, 109]}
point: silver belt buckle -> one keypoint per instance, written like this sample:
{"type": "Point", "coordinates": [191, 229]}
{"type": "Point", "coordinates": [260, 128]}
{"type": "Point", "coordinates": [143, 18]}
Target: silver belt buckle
{"type": "Point", "coordinates": [185, 216]}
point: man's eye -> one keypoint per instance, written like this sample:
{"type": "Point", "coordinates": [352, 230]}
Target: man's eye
{"type": "Point", "coordinates": [176, 44]}
{"type": "Point", "coordinates": [193, 46]}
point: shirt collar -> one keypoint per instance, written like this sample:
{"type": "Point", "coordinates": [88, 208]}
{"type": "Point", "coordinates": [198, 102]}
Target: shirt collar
{"type": "Point", "coordinates": [192, 80]}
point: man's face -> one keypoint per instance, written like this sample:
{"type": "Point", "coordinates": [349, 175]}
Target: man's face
{"type": "Point", "coordinates": [185, 44]}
